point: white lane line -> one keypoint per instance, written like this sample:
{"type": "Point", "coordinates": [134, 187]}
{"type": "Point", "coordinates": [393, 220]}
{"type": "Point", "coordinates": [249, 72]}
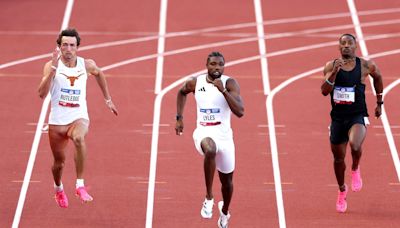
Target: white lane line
{"type": "Point", "coordinates": [36, 140]}
{"type": "Point", "coordinates": [205, 30]}
{"type": "Point", "coordinates": [161, 45]}
{"type": "Point", "coordinates": [274, 145]}
{"type": "Point", "coordinates": [272, 134]}
{"type": "Point", "coordinates": [159, 97]}
{"type": "Point", "coordinates": [388, 130]}
{"type": "Point", "coordinates": [384, 119]}
{"type": "Point", "coordinates": [261, 46]}
{"type": "Point", "coordinates": [218, 28]}
{"type": "Point", "coordinates": [157, 88]}
{"type": "Point", "coordinates": [267, 91]}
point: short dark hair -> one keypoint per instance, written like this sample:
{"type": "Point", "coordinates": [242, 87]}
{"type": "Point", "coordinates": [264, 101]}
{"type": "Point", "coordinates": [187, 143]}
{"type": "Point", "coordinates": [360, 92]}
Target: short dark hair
{"type": "Point", "coordinates": [348, 34]}
{"type": "Point", "coordinates": [215, 54]}
{"type": "Point", "coordinates": [69, 32]}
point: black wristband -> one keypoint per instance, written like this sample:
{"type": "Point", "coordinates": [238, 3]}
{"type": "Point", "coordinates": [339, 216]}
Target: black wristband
{"type": "Point", "coordinates": [379, 102]}
{"type": "Point", "coordinates": [179, 117]}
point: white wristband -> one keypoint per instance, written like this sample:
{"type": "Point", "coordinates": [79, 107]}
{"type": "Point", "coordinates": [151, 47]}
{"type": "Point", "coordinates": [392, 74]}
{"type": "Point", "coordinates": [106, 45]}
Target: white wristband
{"type": "Point", "coordinates": [108, 101]}
{"type": "Point", "coordinates": [329, 82]}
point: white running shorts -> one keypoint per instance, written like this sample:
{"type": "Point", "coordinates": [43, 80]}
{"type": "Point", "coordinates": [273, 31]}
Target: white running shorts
{"type": "Point", "coordinates": [225, 158]}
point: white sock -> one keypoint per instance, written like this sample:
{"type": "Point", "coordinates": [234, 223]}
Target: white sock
{"type": "Point", "coordinates": [79, 183]}
{"type": "Point", "coordinates": [58, 188]}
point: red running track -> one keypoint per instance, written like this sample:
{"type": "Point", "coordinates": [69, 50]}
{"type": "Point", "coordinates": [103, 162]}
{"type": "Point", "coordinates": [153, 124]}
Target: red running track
{"type": "Point", "coordinates": [120, 148]}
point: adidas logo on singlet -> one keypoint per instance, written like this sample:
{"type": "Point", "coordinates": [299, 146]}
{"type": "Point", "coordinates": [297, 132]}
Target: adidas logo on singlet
{"type": "Point", "coordinates": [202, 89]}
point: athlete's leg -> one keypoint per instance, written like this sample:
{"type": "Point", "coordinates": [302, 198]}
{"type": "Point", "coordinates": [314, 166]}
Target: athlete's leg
{"type": "Point", "coordinates": [209, 149]}
{"type": "Point", "coordinates": [357, 135]}
{"type": "Point", "coordinates": [339, 153]}
{"type": "Point", "coordinates": [226, 189]}
{"type": "Point", "coordinates": [58, 142]}
{"type": "Point", "coordinates": [77, 133]}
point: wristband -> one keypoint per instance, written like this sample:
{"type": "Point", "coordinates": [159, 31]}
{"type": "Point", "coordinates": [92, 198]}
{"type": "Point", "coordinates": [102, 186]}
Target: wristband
{"type": "Point", "coordinates": [379, 94]}
{"type": "Point", "coordinates": [329, 82]}
{"type": "Point", "coordinates": [179, 117]}
{"type": "Point", "coordinates": [108, 101]}
{"type": "Point", "coordinates": [53, 67]}
{"type": "Point", "coordinates": [225, 90]}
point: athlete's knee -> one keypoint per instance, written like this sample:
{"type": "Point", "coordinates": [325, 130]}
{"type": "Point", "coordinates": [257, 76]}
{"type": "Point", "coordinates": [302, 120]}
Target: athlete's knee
{"type": "Point", "coordinates": [355, 147]}
{"type": "Point", "coordinates": [78, 140]}
{"type": "Point", "coordinates": [338, 160]}
{"type": "Point", "coordinates": [209, 148]}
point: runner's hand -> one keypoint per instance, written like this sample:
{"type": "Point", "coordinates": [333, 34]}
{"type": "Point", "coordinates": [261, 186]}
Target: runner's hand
{"type": "Point", "coordinates": [55, 57]}
{"type": "Point", "coordinates": [179, 127]}
{"type": "Point", "coordinates": [112, 107]}
{"type": "Point", "coordinates": [378, 111]}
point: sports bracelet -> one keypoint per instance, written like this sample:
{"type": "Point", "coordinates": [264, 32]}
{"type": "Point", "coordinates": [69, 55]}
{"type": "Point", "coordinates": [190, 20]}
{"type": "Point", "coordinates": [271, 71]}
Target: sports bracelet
{"type": "Point", "coordinates": [179, 117]}
{"type": "Point", "coordinates": [330, 83]}
{"type": "Point", "coordinates": [108, 101]}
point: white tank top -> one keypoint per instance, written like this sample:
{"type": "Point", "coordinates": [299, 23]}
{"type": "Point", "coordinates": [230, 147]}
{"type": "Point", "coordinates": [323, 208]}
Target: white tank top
{"type": "Point", "coordinates": [68, 94]}
{"type": "Point", "coordinates": [213, 111]}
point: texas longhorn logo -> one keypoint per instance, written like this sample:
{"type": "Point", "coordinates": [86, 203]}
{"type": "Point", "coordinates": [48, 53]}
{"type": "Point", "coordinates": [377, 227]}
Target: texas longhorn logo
{"type": "Point", "coordinates": [72, 78]}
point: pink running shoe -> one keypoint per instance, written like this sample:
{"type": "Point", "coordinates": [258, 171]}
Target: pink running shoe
{"type": "Point", "coordinates": [83, 195]}
{"type": "Point", "coordinates": [356, 181]}
{"type": "Point", "coordinates": [341, 203]}
{"type": "Point", "coordinates": [61, 199]}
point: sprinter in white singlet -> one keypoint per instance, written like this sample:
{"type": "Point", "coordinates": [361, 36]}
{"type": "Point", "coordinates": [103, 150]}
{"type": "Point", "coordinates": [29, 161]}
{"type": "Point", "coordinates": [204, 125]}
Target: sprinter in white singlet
{"type": "Point", "coordinates": [65, 78]}
{"type": "Point", "coordinates": [216, 95]}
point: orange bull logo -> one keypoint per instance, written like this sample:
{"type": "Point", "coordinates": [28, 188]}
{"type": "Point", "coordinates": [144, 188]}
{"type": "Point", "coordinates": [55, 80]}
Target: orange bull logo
{"type": "Point", "coordinates": [72, 78]}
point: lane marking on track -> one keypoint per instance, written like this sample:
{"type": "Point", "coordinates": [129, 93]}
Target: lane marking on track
{"type": "Point", "coordinates": [274, 151]}
{"type": "Point", "coordinates": [146, 38]}
{"type": "Point", "coordinates": [157, 182]}
{"type": "Point", "coordinates": [35, 144]}
{"type": "Point", "coordinates": [21, 181]}
{"type": "Point", "coordinates": [161, 45]}
{"type": "Point", "coordinates": [391, 126]}
{"type": "Point", "coordinates": [277, 126]}
{"type": "Point", "coordinates": [262, 48]}
{"type": "Point", "coordinates": [384, 134]}
{"type": "Point", "coordinates": [384, 119]}
{"type": "Point", "coordinates": [237, 41]}
{"type": "Point", "coordinates": [218, 28]}
{"type": "Point", "coordinates": [161, 125]}
{"type": "Point", "coordinates": [279, 133]}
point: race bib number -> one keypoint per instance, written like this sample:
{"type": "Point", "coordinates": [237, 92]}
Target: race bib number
{"type": "Point", "coordinates": [343, 95]}
{"type": "Point", "coordinates": [69, 98]}
{"type": "Point", "coordinates": [210, 116]}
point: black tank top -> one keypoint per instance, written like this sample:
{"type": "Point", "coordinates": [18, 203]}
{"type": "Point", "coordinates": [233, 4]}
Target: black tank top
{"type": "Point", "coordinates": [346, 80]}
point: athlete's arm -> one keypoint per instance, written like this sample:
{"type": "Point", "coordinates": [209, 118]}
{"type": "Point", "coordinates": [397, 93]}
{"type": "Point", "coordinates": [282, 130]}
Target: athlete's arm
{"type": "Point", "coordinates": [94, 70]}
{"type": "Point", "coordinates": [330, 71]}
{"type": "Point", "coordinates": [232, 96]}
{"type": "Point", "coordinates": [49, 71]}
{"type": "Point", "coordinates": [188, 87]}
{"type": "Point", "coordinates": [378, 85]}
